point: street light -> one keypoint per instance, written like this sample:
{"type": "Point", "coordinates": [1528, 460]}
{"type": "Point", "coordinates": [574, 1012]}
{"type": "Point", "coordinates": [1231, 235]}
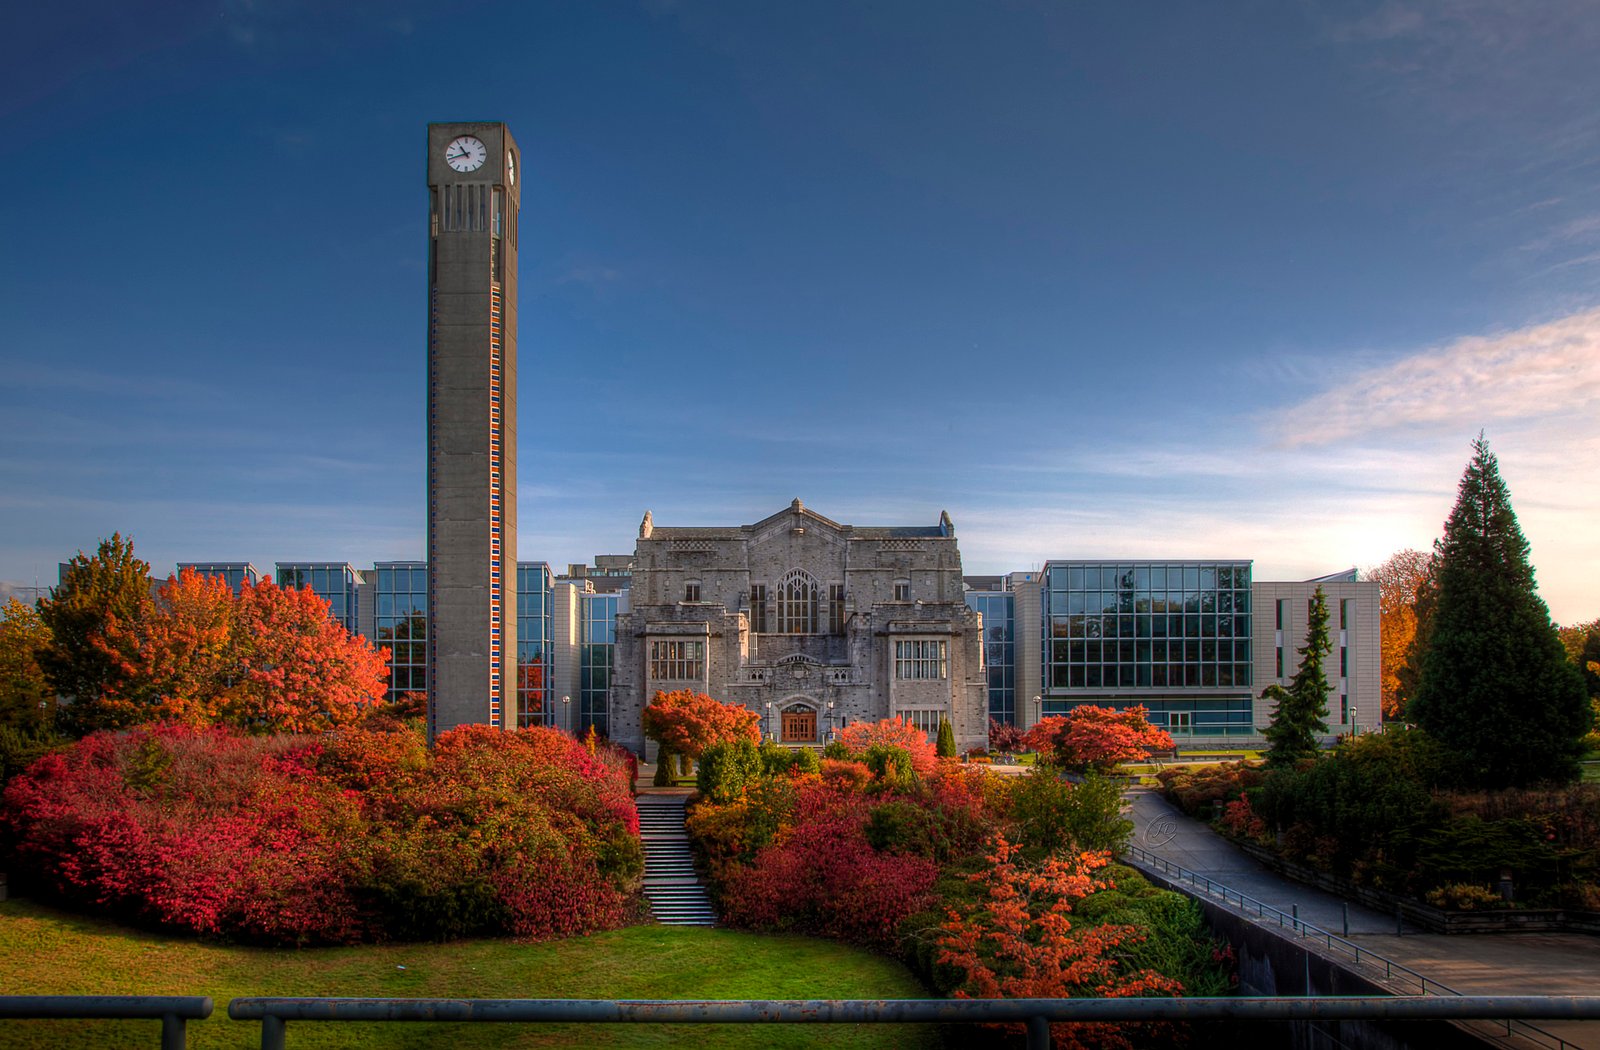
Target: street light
{"type": "Point", "coordinates": [1037, 708]}
{"type": "Point", "coordinates": [830, 719]}
{"type": "Point", "coordinates": [770, 734]}
{"type": "Point", "coordinates": [566, 713]}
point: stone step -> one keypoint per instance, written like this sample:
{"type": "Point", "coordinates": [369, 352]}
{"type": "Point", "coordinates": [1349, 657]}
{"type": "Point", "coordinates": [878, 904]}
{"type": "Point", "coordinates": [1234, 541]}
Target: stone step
{"type": "Point", "coordinates": [668, 891]}
{"type": "Point", "coordinates": [671, 885]}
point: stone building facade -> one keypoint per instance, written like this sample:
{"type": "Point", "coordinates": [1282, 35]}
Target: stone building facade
{"type": "Point", "coordinates": [811, 624]}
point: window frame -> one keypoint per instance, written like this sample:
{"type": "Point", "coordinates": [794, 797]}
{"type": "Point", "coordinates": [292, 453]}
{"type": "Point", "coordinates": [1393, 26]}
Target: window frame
{"type": "Point", "coordinates": [922, 659]}
{"type": "Point", "coordinates": [677, 659]}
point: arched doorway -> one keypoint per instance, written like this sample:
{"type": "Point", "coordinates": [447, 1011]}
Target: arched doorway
{"type": "Point", "coordinates": [799, 724]}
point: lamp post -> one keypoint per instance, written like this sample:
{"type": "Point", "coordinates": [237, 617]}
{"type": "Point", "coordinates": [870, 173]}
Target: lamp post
{"type": "Point", "coordinates": [830, 719]}
{"type": "Point", "coordinates": [1038, 708]}
{"type": "Point", "coordinates": [770, 734]}
{"type": "Point", "coordinates": [566, 713]}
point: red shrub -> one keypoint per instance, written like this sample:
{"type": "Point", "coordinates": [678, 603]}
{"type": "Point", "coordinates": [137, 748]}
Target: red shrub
{"type": "Point", "coordinates": [846, 775]}
{"type": "Point", "coordinates": [822, 876]}
{"type": "Point", "coordinates": [354, 835]}
{"type": "Point", "coordinates": [1240, 819]}
{"type": "Point", "coordinates": [1098, 738]}
{"type": "Point", "coordinates": [895, 732]}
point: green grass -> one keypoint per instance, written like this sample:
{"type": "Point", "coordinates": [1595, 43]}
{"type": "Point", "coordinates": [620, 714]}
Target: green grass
{"type": "Point", "coordinates": [1591, 772]}
{"type": "Point", "coordinates": [44, 951]}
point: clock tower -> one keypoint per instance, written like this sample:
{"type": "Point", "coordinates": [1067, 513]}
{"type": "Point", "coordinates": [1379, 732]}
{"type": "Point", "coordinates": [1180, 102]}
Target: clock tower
{"type": "Point", "coordinates": [473, 192]}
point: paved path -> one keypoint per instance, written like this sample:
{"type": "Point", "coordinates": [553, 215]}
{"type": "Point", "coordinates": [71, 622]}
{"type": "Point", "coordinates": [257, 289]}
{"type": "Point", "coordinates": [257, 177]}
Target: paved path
{"type": "Point", "coordinates": [1486, 963]}
{"type": "Point", "coordinates": [1161, 829]}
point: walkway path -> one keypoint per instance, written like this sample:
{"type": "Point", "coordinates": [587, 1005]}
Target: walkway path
{"type": "Point", "coordinates": [1488, 963]}
{"type": "Point", "coordinates": [674, 891]}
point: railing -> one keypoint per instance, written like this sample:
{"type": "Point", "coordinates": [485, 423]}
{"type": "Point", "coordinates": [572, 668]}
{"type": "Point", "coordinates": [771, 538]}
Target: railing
{"type": "Point", "coordinates": [1394, 973]}
{"type": "Point", "coordinates": [173, 1011]}
{"type": "Point", "coordinates": [1035, 1014]}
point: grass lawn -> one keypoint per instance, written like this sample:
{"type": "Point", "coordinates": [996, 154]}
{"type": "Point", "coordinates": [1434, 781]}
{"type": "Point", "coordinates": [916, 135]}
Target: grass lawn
{"type": "Point", "coordinates": [1591, 772]}
{"type": "Point", "coordinates": [48, 952]}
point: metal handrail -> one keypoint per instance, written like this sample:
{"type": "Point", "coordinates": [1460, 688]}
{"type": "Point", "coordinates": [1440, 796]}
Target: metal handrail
{"type": "Point", "coordinates": [173, 1011]}
{"type": "Point", "coordinates": [1036, 1014]}
{"type": "Point", "coordinates": [1391, 968]}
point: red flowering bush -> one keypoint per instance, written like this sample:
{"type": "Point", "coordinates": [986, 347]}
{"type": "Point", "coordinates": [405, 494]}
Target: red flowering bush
{"type": "Point", "coordinates": [1241, 820]}
{"type": "Point", "coordinates": [821, 875]}
{"type": "Point", "coordinates": [349, 836]}
{"type": "Point", "coordinates": [187, 829]}
{"type": "Point", "coordinates": [1097, 738]}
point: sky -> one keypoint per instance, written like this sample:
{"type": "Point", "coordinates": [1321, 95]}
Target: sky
{"type": "Point", "coordinates": [1156, 280]}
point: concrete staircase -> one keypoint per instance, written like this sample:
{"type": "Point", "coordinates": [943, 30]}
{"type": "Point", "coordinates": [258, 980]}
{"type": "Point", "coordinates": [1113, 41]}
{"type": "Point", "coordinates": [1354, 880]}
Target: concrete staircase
{"type": "Point", "coordinates": [670, 884]}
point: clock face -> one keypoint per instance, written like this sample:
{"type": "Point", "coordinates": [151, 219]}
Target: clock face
{"type": "Point", "coordinates": [511, 168]}
{"type": "Point", "coordinates": [465, 153]}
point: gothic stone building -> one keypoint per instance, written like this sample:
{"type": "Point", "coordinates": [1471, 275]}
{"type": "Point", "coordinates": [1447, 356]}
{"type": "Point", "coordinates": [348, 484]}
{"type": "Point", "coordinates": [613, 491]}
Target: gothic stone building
{"type": "Point", "coordinates": [811, 624]}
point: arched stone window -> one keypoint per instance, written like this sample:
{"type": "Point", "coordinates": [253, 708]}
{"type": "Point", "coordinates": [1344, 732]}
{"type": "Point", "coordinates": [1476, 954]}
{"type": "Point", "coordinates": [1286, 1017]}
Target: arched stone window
{"type": "Point", "coordinates": [797, 603]}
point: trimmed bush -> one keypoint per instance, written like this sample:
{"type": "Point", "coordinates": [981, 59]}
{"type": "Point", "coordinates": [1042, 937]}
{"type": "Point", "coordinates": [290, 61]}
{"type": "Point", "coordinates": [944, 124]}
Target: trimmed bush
{"type": "Point", "coordinates": [946, 745]}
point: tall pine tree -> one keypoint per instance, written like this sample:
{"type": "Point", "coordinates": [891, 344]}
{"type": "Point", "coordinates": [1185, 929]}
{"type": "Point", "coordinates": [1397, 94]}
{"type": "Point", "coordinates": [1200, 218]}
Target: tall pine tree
{"type": "Point", "coordinates": [1299, 712]}
{"type": "Point", "coordinates": [1494, 683]}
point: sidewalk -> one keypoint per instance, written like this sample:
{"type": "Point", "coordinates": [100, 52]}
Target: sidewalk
{"type": "Point", "coordinates": [1162, 830]}
{"type": "Point", "coordinates": [1485, 964]}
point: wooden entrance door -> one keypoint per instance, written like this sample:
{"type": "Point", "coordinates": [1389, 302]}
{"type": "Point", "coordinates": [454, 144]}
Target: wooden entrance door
{"type": "Point", "coordinates": [799, 725]}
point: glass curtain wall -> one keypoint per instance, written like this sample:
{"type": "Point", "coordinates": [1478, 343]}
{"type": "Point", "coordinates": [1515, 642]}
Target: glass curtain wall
{"type": "Point", "coordinates": [595, 662]}
{"type": "Point", "coordinates": [401, 619]}
{"type": "Point", "coordinates": [1174, 636]}
{"type": "Point", "coordinates": [234, 573]}
{"type": "Point", "coordinates": [534, 639]}
{"type": "Point", "coordinates": [999, 651]}
{"type": "Point", "coordinates": [334, 581]}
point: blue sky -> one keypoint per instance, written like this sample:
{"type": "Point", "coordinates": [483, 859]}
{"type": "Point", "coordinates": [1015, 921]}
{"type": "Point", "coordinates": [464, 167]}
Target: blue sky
{"type": "Point", "coordinates": [1102, 280]}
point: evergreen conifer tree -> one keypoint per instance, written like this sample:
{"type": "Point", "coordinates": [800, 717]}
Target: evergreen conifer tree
{"type": "Point", "coordinates": [945, 747]}
{"type": "Point", "coordinates": [666, 766]}
{"type": "Point", "coordinates": [1495, 685]}
{"type": "Point", "coordinates": [1299, 711]}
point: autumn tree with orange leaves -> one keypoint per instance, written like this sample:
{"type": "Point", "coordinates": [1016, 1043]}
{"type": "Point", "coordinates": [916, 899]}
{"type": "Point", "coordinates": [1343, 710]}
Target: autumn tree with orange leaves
{"type": "Point", "coordinates": [267, 660]}
{"type": "Point", "coordinates": [1401, 580]}
{"type": "Point", "coordinates": [1097, 738]}
{"type": "Point", "coordinates": [1018, 941]}
{"type": "Point", "coordinates": [685, 722]}
{"type": "Point", "coordinates": [892, 732]}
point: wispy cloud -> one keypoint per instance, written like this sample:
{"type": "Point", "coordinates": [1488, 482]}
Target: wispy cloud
{"type": "Point", "coordinates": [1537, 372]}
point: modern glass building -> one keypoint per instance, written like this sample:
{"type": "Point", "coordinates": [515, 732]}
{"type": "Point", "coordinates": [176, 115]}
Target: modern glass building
{"type": "Point", "coordinates": [401, 623]}
{"type": "Point", "coordinates": [597, 653]}
{"type": "Point", "coordinates": [535, 637]}
{"type": "Point", "coordinates": [335, 581]}
{"type": "Point", "coordinates": [1173, 636]}
{"type": "Point", "coordinates": [999, 650]}
{"type": "Point", "coordinates": [234, 572]}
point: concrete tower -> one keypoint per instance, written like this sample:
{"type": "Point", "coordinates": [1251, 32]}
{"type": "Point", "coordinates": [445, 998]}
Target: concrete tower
{"type": "Point", "coordinates": [472, 424]}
